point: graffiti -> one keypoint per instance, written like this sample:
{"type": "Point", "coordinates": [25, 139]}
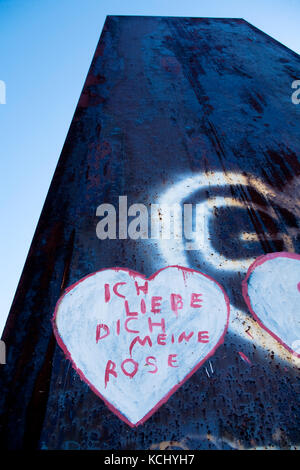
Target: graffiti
{"type": "Point", "coordinates": [2, 92]}
{"type": "Point", "coordinates": [2, 352]}
{"type": "Point", "coordinates": [296, 353]}
{"type": "Point", "coordinates": [245, 358]}
{"type": "Point", "coordinates": [271, 291]}
{"type": "Point", "coordinates": [136, 340]}
{"type": "Point", "coordinates": [114, 311]}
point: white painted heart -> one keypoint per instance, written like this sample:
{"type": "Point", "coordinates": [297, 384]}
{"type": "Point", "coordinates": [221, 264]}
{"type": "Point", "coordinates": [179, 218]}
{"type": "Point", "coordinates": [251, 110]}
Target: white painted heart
{"type": "Point", "coordinates": [136, 340]}
{"type": "Point", "coordinates": [271, 290]}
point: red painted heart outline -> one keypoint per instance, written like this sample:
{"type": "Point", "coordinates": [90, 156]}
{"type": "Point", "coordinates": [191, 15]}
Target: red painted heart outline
{"type": "Point", "coordinates": [175, 387]}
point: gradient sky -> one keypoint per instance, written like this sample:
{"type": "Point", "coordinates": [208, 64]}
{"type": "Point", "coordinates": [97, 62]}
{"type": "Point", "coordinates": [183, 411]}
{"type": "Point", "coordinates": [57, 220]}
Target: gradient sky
{"type": "Point", "coordinates": [46, 50]}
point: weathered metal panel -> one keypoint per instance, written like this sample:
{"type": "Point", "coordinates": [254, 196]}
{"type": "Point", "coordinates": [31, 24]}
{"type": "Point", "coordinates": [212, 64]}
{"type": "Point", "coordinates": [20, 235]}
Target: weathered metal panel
{"type": "Point", "coordinates": [186, 109]}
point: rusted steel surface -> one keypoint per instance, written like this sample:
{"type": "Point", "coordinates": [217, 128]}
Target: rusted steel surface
{"type": "Point", "coordinates": [166, 99]}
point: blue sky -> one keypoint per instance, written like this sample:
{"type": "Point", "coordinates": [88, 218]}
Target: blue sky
{"type": "Point", "coordinates": [46, 49]}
